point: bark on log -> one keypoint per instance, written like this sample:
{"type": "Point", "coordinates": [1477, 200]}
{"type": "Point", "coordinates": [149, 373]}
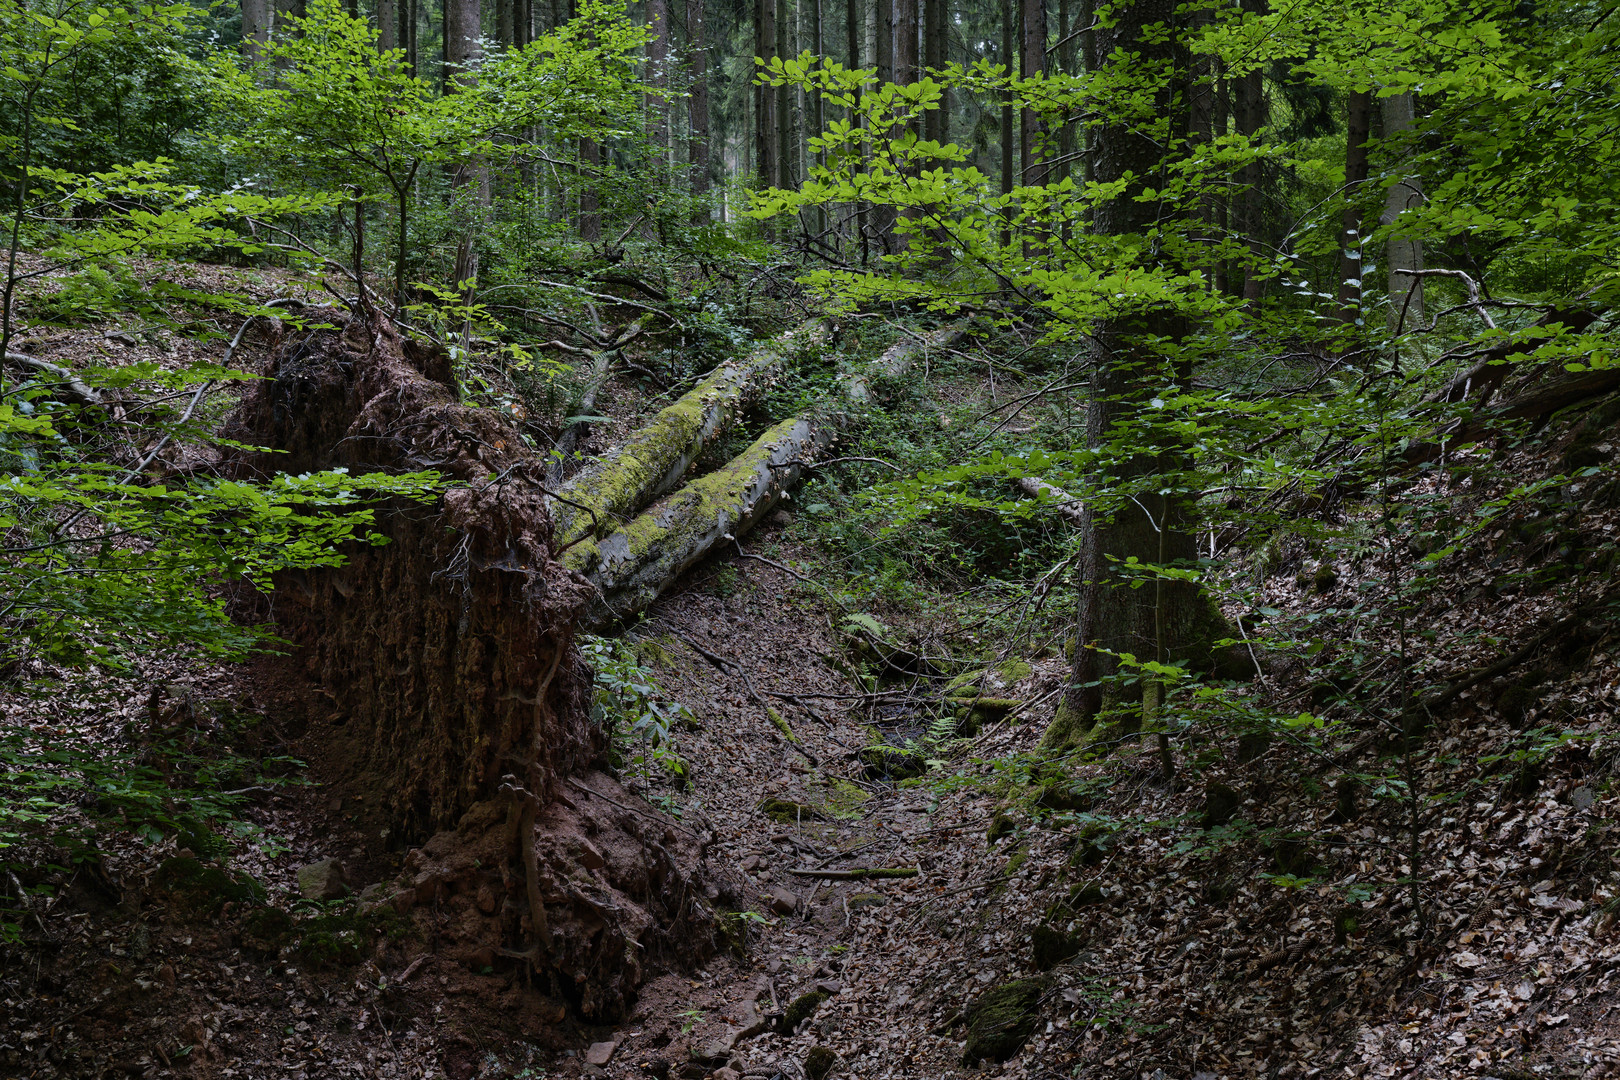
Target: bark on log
{"type": "Point", "coordinates": [1055, 497]}
{"type": "Point", "coordinates": [632, 566]}
{"type": "Point", "coordinates": [653, 460]}
{"type": "Point", "coordinates": [75, 388]}
{"type": "Point", "coordinates": [897, 358]}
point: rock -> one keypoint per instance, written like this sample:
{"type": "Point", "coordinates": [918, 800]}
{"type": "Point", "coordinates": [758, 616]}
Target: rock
{"type": "Point", "coordinates": [1002, 1020]}
{"type": "Point", "coordinates": [753, 862]}
{"type": "Point", "coordinates": [890, 762]}
{"type": "Point", "coordinates": [830, 987]}
{"type": "Point", "coordinates": [588, 856]}
{"type": "Point", "coordinates": [784, 901]}
{"type": "Point", "coordinates": [1049, 947]}
{"type": "Point", "coordinates": [1063, 796]}
{"type": "Point", "coordinates": [322, 880]}
{"type": "Point", "coordinates": [1221, 805]}
{"type": "Point", "coordinates": [803, 1008]}
{"type": "Point", "coordinates": [1003, 824]}
{"type": "Point", "coordinates": [819, 1063]}
{"type": "Point", "coordinates": [600, 1053]}
{"type": "Point", "coordinates": [866, 900]}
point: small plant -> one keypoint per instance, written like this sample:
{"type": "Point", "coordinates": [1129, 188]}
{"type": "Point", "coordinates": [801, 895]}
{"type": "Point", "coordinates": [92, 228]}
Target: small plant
{"type": "Point", "coordinates": [629, 705]}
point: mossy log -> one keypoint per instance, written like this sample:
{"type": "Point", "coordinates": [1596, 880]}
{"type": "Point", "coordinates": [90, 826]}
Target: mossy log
{"type": "Point", "coordinates": [632, 566]}
{"type": "Point", "coordinates": [897, 358]}
{"type": "Point", "coordinates": [652, 460]}
{"type": "Point", "coordinates": [1066, 505]}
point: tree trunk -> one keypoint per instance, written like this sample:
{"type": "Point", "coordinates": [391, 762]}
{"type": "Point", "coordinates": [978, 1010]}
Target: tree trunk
{"type": "Point", "coordinates": [658, 73]}
{"type": "Point", "coordinates": [1249, 103]}
{"type": "Point", "coordinates": [1358, 124]}
{"type": "Point", "coordinates": [1403, 251]}
{"type": "Point", "coordinates": [936, 122]}
{"type": "Point", "coordinates": [1032, 62]}
{"type": "Point", "coordinates": [463, 49]}
{"type": "Point", "coordinates": [697, 105]}
{"type": "Point", "coordinates": [1008, 137]}
{"type": "Point", "coordinates": [1163, 620]}
{"type": "Point", "coordinates": [409, 12]}
{"type": "Point", "coordinates": [387, 25]}
{"type": "Point", "coordinates": [653, 460]}
{"type": "Point", "coordinates": [633, 565]}
{"type": "Point", "coordinates": [852, 48]}
{"type": "Point", "coordinates": [255, 29]}
{"type": "Point", "coordinates": [765, 97]}
{"type": "Point", "coordinates": [905, 41]}
{"type": "Point", "coordinates": [786, 149]}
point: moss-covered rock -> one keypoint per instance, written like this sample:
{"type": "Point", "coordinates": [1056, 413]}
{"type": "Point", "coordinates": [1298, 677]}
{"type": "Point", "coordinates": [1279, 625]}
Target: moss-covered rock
{"type": "Point", "coordinates": [1063, 796]}
{"type": "Point", "coordinates": [789, 812]}
{"type": "Point", "coordinates": [265, 930]}
{"type": "Point", "coordinates": [1003, 824]}
{"type": "Point", "coordinates": [802, 1008]}
{"type": "Point", "coordinates": [1002, 1021]}
{"type": "Point", "coordinates": [820, 1062]}
{"type": "Point", "coordinates": [200, 889]}
{"type": "Point", "coordinates": [1085, 894]}
{"type": "Point", "coordinates": [890, 762]}
{"type": "Point", "coordinates": [1050, 946]}
{"type": "Point", "coordinates": [1221, 804]}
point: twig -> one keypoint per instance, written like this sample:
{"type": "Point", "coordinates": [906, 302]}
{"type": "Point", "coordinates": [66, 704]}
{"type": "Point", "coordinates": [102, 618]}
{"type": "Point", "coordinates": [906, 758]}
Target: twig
{"type": "Point", "coordinates": [858, 874]}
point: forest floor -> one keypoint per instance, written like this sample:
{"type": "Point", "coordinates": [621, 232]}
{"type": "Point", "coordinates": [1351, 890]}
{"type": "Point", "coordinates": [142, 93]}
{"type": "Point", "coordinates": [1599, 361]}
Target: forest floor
{"type": "Point", "coordinates": [1245, 919]}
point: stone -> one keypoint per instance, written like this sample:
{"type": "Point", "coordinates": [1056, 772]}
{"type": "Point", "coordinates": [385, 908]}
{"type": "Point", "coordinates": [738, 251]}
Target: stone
{"type": "Point", "coordinates": [1221, 805]}
{"type": "Point", "coordinates": [322, 880]}
{"type": "Point", "coordinates": [830, 987]}
{"type": "Point", "coordinates": [600, 1053]}
{"type": "Point", "coordinates": [820, 1062]}
{"type": "Point", "coordinates": [588, 856]}
{"type": "Point", "coordinates": [803, 1008]}
{"type": "Point", "coordinates": [784, 901]}
{"type": "Point", "coordinates": [1050, 946]}
{"type": "Point", "coordinates": [1002, 1021]}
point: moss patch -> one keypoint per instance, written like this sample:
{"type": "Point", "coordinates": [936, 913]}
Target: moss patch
{"type": "Point", "coordinates": [803, 1008]}
{"type": "Point", "coordinates": [789, 812]}
{"type": "Point", "coordinates": [199, 889]}
{"type": "Point", "coordinates": [1050, 946]}
{"type": "Point", "coordinates": [820, 1062]}
{"type": "Point", "coordinates": [884, 762]}
{"type": "Point", "coordinates": [1003, 824]}
{"type": "Point", "coordinates": [1002, 1021]}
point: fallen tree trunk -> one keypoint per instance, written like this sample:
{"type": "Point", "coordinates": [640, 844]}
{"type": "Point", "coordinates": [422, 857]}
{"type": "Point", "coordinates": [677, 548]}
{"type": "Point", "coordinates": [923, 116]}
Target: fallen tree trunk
{"type": "Point", "coordinates": [1055, 497]}
{"type": "Point", "coordinates": [897, 358]}
{"type": "Point", "coordinates": [652, 461]}
{"type": "Point", "coordinates": [632, 566]}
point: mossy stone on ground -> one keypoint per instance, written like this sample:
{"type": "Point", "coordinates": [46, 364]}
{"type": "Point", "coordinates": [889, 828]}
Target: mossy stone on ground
{"type": "Point", "coordinates": [788, 812]}
{"type": "Point", "coordinates": [1085, 895]}
{"type": "Point", "coordinates": [890, 762]}
{"type": "Point", "coordinates": [1063, 796]}
{"type": "Point", "coordinates": [1221, 804]}
{"type": "Point", "coordinates": [201, 889]}
{"type": "Point", "coordinates": [820, 1062]}
{"type": "Point", "coordinates": [265, 931]}
{"type": "Point", "coordinates": [803, 1008]}
{"type": "Point", "coordinates": [1050, 946]}
{"type": "Point", "coordinates": [1003, 824]}
{"type": "Point", "coordinates": [1002, 1021]}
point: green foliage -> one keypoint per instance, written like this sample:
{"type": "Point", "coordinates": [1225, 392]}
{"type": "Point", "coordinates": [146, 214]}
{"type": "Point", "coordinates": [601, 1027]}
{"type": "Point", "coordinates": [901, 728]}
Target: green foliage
{"type": "Point", "coordinates": [628, 704]}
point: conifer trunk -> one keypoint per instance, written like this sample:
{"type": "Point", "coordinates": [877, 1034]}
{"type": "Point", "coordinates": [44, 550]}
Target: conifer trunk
{"type": "Point", "coordinates": [1163, 621]}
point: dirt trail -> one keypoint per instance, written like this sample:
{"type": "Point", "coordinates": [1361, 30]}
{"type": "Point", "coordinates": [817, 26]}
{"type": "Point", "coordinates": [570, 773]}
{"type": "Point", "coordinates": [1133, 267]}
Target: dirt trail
{"type": "Point", "coordinates": [859, 942]}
